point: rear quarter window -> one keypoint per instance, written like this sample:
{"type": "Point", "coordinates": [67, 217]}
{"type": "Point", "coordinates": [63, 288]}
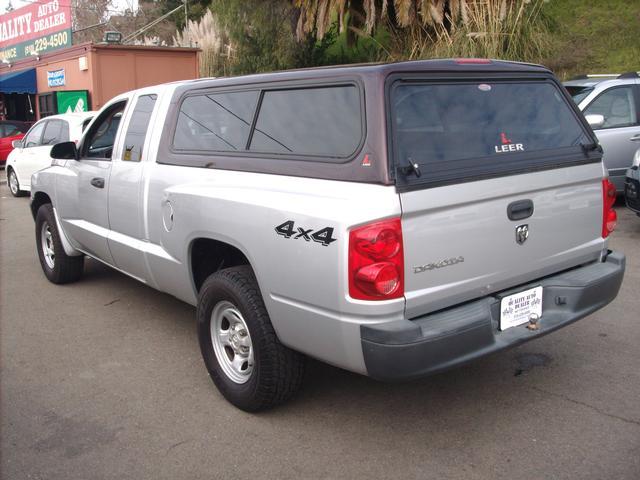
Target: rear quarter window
{"type": "Point", "coordinates": [137, 128]}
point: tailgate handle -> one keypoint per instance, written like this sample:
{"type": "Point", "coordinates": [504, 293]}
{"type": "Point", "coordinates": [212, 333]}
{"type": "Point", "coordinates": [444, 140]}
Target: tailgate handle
{"type": "Point", "coordinates": [520, 209]}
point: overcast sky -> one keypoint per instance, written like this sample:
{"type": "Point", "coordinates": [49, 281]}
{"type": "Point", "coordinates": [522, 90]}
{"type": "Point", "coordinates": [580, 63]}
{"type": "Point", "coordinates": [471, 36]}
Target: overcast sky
{"type": "Point", "coordinates": [118, 5]}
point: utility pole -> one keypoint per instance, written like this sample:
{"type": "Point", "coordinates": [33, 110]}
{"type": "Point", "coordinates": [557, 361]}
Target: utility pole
{"type": "Point", "coordinates": [185, 14]}
{"type": "Point", "coordinates": [186, 20]}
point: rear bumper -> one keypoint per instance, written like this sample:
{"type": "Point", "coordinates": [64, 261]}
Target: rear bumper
{"type": "Point", "coordinates": [408, 349]}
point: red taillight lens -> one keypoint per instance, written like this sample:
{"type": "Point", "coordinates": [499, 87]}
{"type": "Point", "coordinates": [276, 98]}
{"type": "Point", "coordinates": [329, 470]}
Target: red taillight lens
{"type": "Point", "coordinates": [609, 215]}
{"type": "Point", "coordinates": [377, 243]}
{"type": "Point", "coordinates": [376, 261]}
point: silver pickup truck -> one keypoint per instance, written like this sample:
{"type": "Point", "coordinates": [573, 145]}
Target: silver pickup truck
{"type": "Point", "coordinates": [392, 220]}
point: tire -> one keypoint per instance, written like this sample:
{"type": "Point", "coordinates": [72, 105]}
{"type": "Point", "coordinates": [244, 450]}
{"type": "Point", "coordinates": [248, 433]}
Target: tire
{"type": "Point", "coordinates": [242, 352]}
{"type": "Point", "coordinates": [57, 266]}
{"type": "Point", "coordinates": [14, 185]}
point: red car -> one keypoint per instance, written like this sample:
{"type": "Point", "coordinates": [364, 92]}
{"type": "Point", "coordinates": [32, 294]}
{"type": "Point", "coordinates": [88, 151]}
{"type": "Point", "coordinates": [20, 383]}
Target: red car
{"type": "Point", "coordinates": [9, 131]}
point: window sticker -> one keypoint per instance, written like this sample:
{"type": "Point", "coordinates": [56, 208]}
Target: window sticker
{"type": "Point", "coordinates": [506, 145]}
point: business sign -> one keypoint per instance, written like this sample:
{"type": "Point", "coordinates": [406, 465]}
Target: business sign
{"type": "Point", "coordinates": [35, 29]}
{"type": "Point", "coordinates": [56, 78]}
{"type": "Point", "coordinates": [72, 101]}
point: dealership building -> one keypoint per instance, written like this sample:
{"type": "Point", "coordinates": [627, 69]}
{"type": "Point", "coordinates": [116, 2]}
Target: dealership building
{"type": "Point", "coordinates": [42, 73]}
{"type": "Point", "coordinates": [83, 77]}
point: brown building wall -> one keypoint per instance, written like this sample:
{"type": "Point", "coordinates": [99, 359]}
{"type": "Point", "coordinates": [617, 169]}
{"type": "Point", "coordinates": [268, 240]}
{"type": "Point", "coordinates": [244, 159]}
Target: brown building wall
{"type": "Point", "coordinates": [75, 79]}
{"type": "Point", "coordinates": [119, 71]}
{"type": "Point", "coordinates": [115, 74]}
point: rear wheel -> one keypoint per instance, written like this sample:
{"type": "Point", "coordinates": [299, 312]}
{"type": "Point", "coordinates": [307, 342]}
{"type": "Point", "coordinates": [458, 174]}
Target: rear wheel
{"type": "Point", "coordinates": [57, 266]}
{"type": "Point", "coordinates": [14, 185]}
{"type": "Point", "coordinates": [243, 355]}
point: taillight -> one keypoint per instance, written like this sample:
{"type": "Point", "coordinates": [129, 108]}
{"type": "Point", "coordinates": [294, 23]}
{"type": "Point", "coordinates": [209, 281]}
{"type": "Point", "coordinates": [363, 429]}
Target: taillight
{"type": "Point", "coordinates": [376, 261]}
{"type": "Point", "coordinates": [609, 216]}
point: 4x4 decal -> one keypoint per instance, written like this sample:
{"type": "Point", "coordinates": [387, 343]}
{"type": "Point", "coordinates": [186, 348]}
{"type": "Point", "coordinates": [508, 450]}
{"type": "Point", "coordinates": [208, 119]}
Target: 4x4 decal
{"type": "Point", "coordinates": [323, 236]}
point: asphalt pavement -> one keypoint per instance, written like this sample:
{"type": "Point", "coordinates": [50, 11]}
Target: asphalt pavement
{"type": "Point", "coordinates": [102, 379]}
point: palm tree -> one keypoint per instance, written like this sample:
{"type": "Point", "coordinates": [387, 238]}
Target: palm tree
{"type": "Point", "coordinates": [318, 15]}
{"type": "Point", "coordinates": [510, 29]}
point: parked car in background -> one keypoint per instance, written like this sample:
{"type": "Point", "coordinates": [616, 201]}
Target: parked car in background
{"type": "Point", "coordinates": [611, 104]}
{"type": "Point", "coordinates": [11, 130]}
{"type": "Point", "coordinates": [31, 153]}
{"type": "Point", "coordinates": [632, 185]}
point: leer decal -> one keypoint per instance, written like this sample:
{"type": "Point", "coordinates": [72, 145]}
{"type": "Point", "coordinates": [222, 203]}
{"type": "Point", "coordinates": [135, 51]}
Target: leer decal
{"type": "Point", "coordinates": [508, 145]}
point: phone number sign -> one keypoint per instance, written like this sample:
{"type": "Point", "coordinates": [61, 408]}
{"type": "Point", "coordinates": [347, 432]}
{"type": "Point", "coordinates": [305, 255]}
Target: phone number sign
{"type": "Point", "coordinates": [34, 30]}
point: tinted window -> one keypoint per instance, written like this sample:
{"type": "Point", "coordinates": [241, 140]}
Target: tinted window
{"type": "Point", "coordinates": [56, 131]}
{"type": "Point", "coordinates": [216, 122]}
{"type": "Point", "coordinates": [100, 139]}
{"type": "Point", "coordinates": [616, 105]}
{"type": "Point", "coordinates": [138, 125]}
{"type": "Point", "coordinates": [35, 134]}
{"type": "Point", "coordinates": [455, 131]}
{"type": "Point", "coordinates": [311, 121]}
{"type": "Point", "coordinates": [12, 129]}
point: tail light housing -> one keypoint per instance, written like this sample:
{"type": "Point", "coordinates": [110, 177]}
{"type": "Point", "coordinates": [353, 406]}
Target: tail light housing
{"type": "Point", "coordinates": [609, 215]}
{"type": "Point", "coordinates": [376, 261]}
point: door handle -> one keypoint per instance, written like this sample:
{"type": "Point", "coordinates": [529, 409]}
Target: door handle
{"type": "Point", "coordinates": [520, 210]}
{"type": "Point", "coordinates": [97, 182]}
{"type": "Point", "coordinates": [635, 138]}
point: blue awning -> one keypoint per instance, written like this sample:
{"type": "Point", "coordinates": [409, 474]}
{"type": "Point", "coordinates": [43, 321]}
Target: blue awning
{"type": "Point", "coordinates": [22, 81]}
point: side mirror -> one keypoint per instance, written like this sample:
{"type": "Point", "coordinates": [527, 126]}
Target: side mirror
{"type": "Point", "coordinates": [16, 144]}
{"type": "Point", "coordinates": [64, 151]}
{"type": "Point", "coordinates": [595, 120]}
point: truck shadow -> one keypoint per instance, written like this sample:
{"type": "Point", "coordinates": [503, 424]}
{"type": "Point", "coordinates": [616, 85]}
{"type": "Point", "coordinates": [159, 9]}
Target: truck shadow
{"type": "Point", "coordinates": [481, 393]}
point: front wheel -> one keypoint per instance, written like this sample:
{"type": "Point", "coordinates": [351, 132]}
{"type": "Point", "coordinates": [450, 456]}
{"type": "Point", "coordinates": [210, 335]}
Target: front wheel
{"type": "Point", "coordinates": [243, 355]}
{"type": "Point", "coordinates": [57, 266]}
{"type": "Point", "coordinates": [14, 185]}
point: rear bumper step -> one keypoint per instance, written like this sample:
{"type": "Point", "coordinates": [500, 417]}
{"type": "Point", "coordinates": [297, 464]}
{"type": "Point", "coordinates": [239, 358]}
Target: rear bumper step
{"type": "Point", "coordinates": [408, 349]}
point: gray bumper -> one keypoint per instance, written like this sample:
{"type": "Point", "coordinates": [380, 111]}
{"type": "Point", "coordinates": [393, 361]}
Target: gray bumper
{"type": "Point", "coordinates": [407, 349]}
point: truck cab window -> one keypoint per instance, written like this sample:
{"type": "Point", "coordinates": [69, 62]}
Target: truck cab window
{"type": "Point", "coordinates": [101, 137]}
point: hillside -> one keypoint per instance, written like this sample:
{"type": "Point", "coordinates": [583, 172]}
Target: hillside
{"type": "Point", "coordinates": [594, 36]}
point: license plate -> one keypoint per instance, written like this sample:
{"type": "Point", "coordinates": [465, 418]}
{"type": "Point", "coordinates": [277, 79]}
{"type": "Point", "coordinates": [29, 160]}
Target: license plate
{"type": "Point", "coordinates": [518, 308]}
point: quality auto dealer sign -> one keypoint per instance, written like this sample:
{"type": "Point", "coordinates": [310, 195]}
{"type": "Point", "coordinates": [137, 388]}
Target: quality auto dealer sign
{"type": "Point", "coordinates": [35, 29]}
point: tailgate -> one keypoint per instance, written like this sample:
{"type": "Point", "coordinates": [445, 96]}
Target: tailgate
{"type": "Point", "coordinates": [500, 183]}
{"type": "Point", "coordinates": [460, 244]}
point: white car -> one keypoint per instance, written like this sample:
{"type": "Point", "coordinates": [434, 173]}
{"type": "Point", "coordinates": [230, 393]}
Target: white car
{"type": "Point", "coordinates": [31, 154]}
